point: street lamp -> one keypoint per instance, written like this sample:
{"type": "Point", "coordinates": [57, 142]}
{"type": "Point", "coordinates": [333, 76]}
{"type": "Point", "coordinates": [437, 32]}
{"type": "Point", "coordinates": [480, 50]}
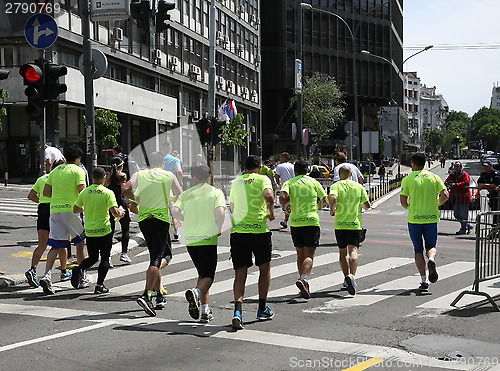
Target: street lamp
{"type": "Point", "coordinates": [420, 51]}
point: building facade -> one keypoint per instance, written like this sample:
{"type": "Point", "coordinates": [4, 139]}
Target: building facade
{"type": "Point", "coordinates": [155, 83]}
{"type": "Point", "coordinates": [495, 97]}
{"type": "Point", "coordinates": [412, 107]}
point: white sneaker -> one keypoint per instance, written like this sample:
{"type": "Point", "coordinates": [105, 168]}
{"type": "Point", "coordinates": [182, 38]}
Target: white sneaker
{"type": "Point", "coordinates": [125, 258]}
{"type": "Point", "coordinates": [111, 263]}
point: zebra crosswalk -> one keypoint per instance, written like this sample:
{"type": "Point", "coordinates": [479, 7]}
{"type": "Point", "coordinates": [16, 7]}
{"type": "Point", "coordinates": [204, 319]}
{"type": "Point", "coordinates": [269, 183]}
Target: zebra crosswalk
{"type": "Point", "coordinates": [18, 206]}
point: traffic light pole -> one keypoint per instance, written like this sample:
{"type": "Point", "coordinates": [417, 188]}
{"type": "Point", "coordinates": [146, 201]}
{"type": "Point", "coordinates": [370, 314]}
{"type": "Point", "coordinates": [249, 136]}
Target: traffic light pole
{"type": "Point", "coordinates": [211, 82]}
{"type": "Point", "coordinates": [88, 74]}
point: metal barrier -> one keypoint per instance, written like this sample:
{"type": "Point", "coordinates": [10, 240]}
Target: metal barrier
{"type": "Point", "coordinates": [487, 254]}
{"type": "Point", "coordinates": [480, 203]}
{"type": "Point", "coordinates": [386, 187]}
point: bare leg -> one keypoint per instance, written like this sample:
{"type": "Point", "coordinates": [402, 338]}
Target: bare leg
{"type": "Point", "coordinates": [264, 279]}
{"type": "Point", "coordinates": [240, 278]}
{"type": "Point", "coordinates": [43, 237]}
{"type": "Point", "coordinates": [353, 259]}
{"type": "Point", "coordinates": [204, 285]}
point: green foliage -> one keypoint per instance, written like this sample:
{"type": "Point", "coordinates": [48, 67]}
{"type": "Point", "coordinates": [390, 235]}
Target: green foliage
{"type": "Point", "coordinates": [433, 139]}
{"type": "Point", "coordinates": [233, 133]}
{"type": "Point", "coordinates": [4, 94]}
{"type": "Point", "coordinates": [459, 123]}
{"type": "Point", "coordinates": [322, 104]}
{"type": "Point", "coordinates": [486, 125]}
{"type": "Point", "coordinates": [448, 141]}
{"type": "Point", "coordinates": [107, 127]}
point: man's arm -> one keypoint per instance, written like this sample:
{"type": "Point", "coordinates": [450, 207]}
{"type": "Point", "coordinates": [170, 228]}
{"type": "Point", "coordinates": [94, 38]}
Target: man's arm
{"type": "Point", "coordinates": [33, 196]}
{"type": "Point", "coordinates": [443, 196]}
{"type": "Point", "coordinates": [48, 165]}
{"type": "Point", "coordinates": [178, 170]}
{"type": "Point", "coordinates": [127, 188]}
{"type": "Point", "coordinates": [219, 217]}
{"type": "Point", "coordinates": [77, 209]}
{"type": "Point", "coordinates": [47, 190]}
{"type": "Point", "coordinates": [285, 201]}
{"type": "Point", "coordinates": [277, 177]}
{"type": "Point", "coordinates": [366, 205]}
{"type": "Point", "coordinates": [176, 187]}
{"type": "Point", "coordinates": [269, 198]}
{"type": "Point", "coordinates": [404, 201]}
{"type": "Point", "coordinates": [177, 213]}
{"type": "Point", "coordinates": [332, 200]}
{"type": "Point", "coordinates": [117, 213]}
{"type": "Point", "coordinates": [80, 188]}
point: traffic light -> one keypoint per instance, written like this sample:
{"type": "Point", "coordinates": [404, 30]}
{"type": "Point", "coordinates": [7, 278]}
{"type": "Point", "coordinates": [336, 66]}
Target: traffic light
{"type": "Point", "coordinates": [53, 88]}
{"type": "Point", "coordinates": [140, 10]}
{"type": "Point", "coordinates": [162, 15]}
{"type": "Point", "coordinates": [216, 130]}
{"type": "Point", "coordinates": [32, 74]}
{"type": "Point", "coordinates": [204, 127]}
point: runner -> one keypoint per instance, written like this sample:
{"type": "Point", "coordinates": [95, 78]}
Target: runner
{"type": "Point", "coordinates": [43, 227]}
{"type": "Point", "coordinates": [282, 173]}
{"type": "Point", "coordinates": [150, 189]}
{"type": "Point", "coordinates": [346, 199]}
{"type": "Point", "coordinates": [96, 202]}
{"type": "Point", "coordinates": [202, 209]}
{"type": "Point", "coordinates": [63, 186]}
{"type": "Point", "coordinates": [299, 197]}
{"type": "Point", "coordinates": [251, 201]}
{"type": "Point", "coordinates": [422, 192]}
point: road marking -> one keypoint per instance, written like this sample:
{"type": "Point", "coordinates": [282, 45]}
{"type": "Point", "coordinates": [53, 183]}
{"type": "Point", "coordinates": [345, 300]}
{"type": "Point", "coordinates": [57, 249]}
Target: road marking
{"type": "Point", "coordinates": [390, 289]}
{"type": "Point", "coordinates": [23, 254]}
{"type": "Point", "coordinates": [221, 332]}
{"type": "Point", "coordinates": [366, 364]}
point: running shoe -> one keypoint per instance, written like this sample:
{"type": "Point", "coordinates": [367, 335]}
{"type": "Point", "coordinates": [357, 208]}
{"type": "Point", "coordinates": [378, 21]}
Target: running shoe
{"type": "Point", "coordinates": [363, 235]}
{"type": "Point", "coordinates": [76, 276]}
{"type": "Point", "coordinates": [175, 238]}
{"type": "Point", "coordinates": [193, 297]}
{"type": "Point", "coordinates": [160, 300]}
{"type": "Point", "coordinates": [146, 305]}
{"type": "Point", "coordinates": [424, 286]}
{"type": "Point", "coordinates": [101, 289]}
{"type": "Point", "coordinates": [283, 224]}
{"type": "Point", "coordinates": [46, 284]}
{"type": "Point", "coordinates": [125, 258]}
{"type": "Point", "coordinates": [469, 228]}
{"type": "Point", "coordinates": [433, 275]}
{"type": "Point", "coordinates": [65, 275]}
{"type": "Point", "coordinates": [111, 263]}
{"type": "Point", "coordinates": [32, 278]}
{"type": "Point", "coordinates": [237, 322]}
{"type": "Point", "coordinates": [303, 286]}
{"type": "Point", "coordinates": [351, 284]}
{"type": "Point", "coordinates": [266, 314]}
{"type": "Point", "coordinates": [206, 317]}
{"type": "Point", "coordinates": [85, 280]}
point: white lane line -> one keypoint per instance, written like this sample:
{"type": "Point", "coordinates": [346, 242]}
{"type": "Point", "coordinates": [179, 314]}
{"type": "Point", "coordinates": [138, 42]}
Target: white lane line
{"type": "Point", "coordinates": [492, 287]}
{"type": "Point", "coordinates": [336, 278]}
{"type": "Point", "coordinates": [27, 213]}
{"type": "Point", "coordinates": [221, 332]}
{"type": "Point", "coordinates": [390, 289]}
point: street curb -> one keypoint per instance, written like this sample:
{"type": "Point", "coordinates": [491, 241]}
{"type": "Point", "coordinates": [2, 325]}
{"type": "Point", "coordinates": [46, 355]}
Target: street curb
{"type": "Point", "coordinates": [17, 279]}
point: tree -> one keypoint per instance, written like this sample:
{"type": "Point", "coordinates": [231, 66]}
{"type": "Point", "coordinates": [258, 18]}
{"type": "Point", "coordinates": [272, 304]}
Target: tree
{"type": "Point", "coordinates": [233, 133]}
{"type": "Point", "coordinates": [433, 139]}
{"type": "Point", "coordinates": [107, 127]}
{"type": "Point", "coordinates": [459, 123]}
{"type": "Point", "coordinates": [491, 134]}
{"type": "Point", "coordinates": [322, 104]}
{"type": "Point", "coordinates": [448, 141]}
{"type": "Point", "coordinates": [483, 117]}
{"type": "Point", "coordinates": [4, 94]}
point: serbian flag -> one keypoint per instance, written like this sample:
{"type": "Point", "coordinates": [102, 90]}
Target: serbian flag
{"type": "Point", "coordinates": [227, 110]}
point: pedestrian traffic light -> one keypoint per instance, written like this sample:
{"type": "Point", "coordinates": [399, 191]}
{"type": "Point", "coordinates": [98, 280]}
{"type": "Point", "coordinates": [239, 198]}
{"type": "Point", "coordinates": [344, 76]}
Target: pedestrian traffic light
{"type": "Point", "coordinates": [204, 127]}
{"type": "Point", "coordinates": [4, 74]}
{"type": "Point", "coordinates": [217, 130]}
{"type": "Point", "coordinates": [162, 15]}
{"type": "Point", "coordinates": [33, 79]}
{"type": "Point", "coordinates": [141, 11]}
{"type": "Point", "coordinates": [52, 87]}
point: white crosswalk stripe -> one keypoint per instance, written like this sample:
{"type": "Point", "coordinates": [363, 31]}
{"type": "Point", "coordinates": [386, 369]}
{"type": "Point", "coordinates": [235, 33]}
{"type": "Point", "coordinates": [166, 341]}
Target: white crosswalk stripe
{"type": "Point", "coordinates": [18, 206]}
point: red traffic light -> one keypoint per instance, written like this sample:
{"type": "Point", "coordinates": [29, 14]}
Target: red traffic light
{"type": "Point", "coordinates": [31, 73]}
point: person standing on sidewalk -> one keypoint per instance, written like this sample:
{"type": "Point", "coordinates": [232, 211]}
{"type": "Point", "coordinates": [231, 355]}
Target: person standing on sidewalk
{"type": "Point", "coordinates": [283, 172]}
{"type": "Point", "coordinates": [346, 198]}
{"type": "Point", "coordinates": [299, 196]}
{"type": "Point", "coordinates": [251, 202]}
{"type": "Point", "coordinates": [489, 180]}
{"type": "Point", "coordinates": [96, 202]}
{"type": "Point", "coordinates": [341, 159]}
{"type": "Point", "coordinates": [202, 209]}
{"type": "Point", "coordinates": [43, 228]}
{"type": "Point", "coordinates": [422, 192]}
{"type": "Point", "coordinates": [460, 195]}
{"type": "Point", "coordinates": [150, 189]}
{"type": "Point", "coordinates": [63, 186]}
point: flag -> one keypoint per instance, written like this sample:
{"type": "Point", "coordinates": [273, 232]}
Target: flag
{"type": "Point", "coordinates": [227, 110]}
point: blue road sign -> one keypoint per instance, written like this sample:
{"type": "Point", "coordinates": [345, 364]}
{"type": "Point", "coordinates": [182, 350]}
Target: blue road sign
{"type": "Point", "coordinates": [41, 31]}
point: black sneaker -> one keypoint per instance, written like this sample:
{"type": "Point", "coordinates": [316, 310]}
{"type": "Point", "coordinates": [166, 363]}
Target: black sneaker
{"type": "Point", "coordinates": [433, 274]}
{"type": "Point", "coordinates": [46, 284]}
{"type": "Point", "coordinates": [351, 284]}
{"type": "Point", "coordinates": [424, 286]}
{"type": "Point", "coordinates": [363, 235]}
{"type": "Point", "coordinates": [283, 224]}
{"type": "Point", "coordinates": [101, 289]}
{"type": "Point", "coordinates": [76, 276]}
{"type": "Point", "coordinates": [32, 278]}
{"type": "Point", "coordinates": [147, 305]}
{"type": "Point", "coordinates": [160, 300]}
{"type": "Point", "coordinates": [303, 286]}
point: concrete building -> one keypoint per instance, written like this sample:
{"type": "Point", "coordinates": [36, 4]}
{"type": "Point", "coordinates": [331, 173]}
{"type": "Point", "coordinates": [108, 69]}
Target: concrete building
{"type": "Point", "coordinates": [433, 108]}
{"type": "Point", "coordinates": [412, 108]}
{"type": "Point", "coordinates": [154, 90]}
{"type": "Point", "coordinates": [495, 97]}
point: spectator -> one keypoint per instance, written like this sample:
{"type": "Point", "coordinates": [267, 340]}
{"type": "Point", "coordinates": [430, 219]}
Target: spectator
{"type": "Point", "coordinates": [460, 196]}
{"type": "Point", "coordinates": [381, 173]}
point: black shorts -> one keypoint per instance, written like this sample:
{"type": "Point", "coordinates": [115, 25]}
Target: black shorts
{"type": "Point", "coordinates": [204, 259]}
{"type": "Point", "coordinates": [42, 222]}
{"type": "Point", "coordinates": [347, 237]}
{"type": "Point", "coordinates": [157, 236]}
{"type": "Point", "coordinates": [243, 245]}
{"type": "Point", "coordinates": [305, 236]}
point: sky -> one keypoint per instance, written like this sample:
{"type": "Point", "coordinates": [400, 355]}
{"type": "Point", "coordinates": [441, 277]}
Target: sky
{"type": "Point", "coordinates": [464, 63]}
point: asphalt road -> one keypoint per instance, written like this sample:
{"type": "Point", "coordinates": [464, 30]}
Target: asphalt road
{"type": "Point", "coordinates": [387, 323]}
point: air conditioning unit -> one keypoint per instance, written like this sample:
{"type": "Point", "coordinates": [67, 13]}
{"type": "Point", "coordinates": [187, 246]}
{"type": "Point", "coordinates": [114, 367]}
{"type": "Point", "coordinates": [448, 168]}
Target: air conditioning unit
{"type": "Point", "coordinates": [194, 70]}
{"type": "Point", "coordinates": [241, 9]}
{"type": "Point", "coordinates": [257, 22]}
{"type": "Point", "coordinates": [253, 19]}
{"type": "Point", "coordinates": [221, 83]}
{"type": "Point", "coordinates": [117, 34]}
{"type": "Point", "coordinates": [229, 85]}
{"type": "Point", "coordinates": [226, 40]}
{"type": "Point", "coordinates": [156, 54]}
{"type": "Point", "coordinates": [240, 49]}
{"type": "Point", "coordinates": [244, 92]}
{"type": "Point", "coordinates": [196, 115]}
{"type": "Point", "coordinates": [183, 111]}
{"type": "Point", "coordinates": [174, 61]}
{"type": "Point", "coordinates": [219, 35]}
{"type": "Point", "coordinates": [257, 59]}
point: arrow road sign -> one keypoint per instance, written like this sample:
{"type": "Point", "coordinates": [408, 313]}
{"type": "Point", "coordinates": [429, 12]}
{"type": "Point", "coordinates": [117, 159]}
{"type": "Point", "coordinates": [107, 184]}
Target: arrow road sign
{"type": "Point", "coordinates": [41, 31]}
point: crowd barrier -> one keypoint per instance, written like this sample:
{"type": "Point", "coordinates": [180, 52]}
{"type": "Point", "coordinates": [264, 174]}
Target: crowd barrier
{"type": "Point", "coordinates": [487, 259]}
{"type": "Point", "coordinates": [480, 203]}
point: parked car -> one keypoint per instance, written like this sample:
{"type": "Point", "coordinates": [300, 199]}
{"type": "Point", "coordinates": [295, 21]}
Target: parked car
{"type": "Point", "coordinates": [367, 167]}
{"type": "Point", "coordinates": [494, 161]}
{"type": "Point", "coordinates": [324, 171]}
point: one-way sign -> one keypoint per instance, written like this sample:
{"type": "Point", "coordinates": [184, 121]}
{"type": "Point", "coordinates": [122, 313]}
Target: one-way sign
{"type": "Point", "coordinates": [41, 31]}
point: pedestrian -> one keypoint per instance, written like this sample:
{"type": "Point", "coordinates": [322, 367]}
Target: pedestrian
{"type": "Point", "coordinates": [201, 207]}
{"type": "Point", "coordinates": [117, 178]}
{"type": "Point", "coordinates": [381, 173]}
{"type": "Point", "coordinates": [443, 161]}
{"type": "Point", "coordinates": [283, 172]}
{"type": "Point", "coordinates": [299, 196]}
{"type": "Point", "coordinates": [451, 169]}
{"type": "Point", "coordinates": [129, 165]}
{"type": "Point", "coordinates": [315, 173]}
{"type": "Point", "coordinates": [199, 161]}
{"type": "Point", "coordinates": [43, 228]}
{"type": "Point", "coordinates": [251, 202]}
{"type": "Point", "coordinates": [150, 189]}
{"type": "Point", "coordinates": [52, 155]}
{"type": "Point", "coordinates": [63, 186]}
{"type": "Point", "coordinates": [422, 192]}
{"type": "Point", "coordinates": [346, 199]}
{"type": "Point", "coordinates": [460, 196]}
{"type": "Point", "coordinates": [96, 202]}
{"type": "Point", "coordinates": [340, 158]}
{"type": "Point", "coordinates": [173, 164]}
{"type": "Point", "coordinates": [489, 180]}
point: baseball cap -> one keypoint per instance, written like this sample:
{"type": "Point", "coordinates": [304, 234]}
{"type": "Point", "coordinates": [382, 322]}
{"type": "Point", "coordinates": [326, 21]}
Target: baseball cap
{"type": "Point", "coordinates": [487, 163]}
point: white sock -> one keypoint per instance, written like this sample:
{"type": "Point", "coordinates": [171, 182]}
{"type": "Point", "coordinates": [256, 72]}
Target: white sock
{"type": "Point", "coordinates": [304, 277]}
{"type": "Point", "coordinates": [205, 309]}
{"type": "Point", "coordinates": [424, 278]}
{"type": "Point", "coordinates": [48, 273]}
{"type": "Point", "coordinates": [431, 259]}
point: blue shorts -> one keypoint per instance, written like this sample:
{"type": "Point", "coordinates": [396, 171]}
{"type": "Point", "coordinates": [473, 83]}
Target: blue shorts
{"type": "Point", "coordinates": [429, 232]}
